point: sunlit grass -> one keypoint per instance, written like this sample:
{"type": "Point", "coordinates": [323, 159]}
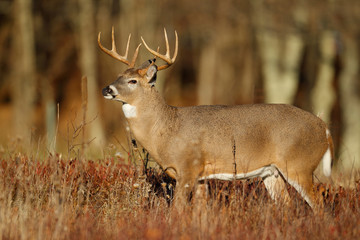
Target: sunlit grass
{"type": "Point", "coordinates": [60, 198]}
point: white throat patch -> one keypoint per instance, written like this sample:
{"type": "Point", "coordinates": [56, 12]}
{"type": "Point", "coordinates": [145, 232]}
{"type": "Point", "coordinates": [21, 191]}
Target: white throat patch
{"type": "Point", "coordinates": [129, 110]}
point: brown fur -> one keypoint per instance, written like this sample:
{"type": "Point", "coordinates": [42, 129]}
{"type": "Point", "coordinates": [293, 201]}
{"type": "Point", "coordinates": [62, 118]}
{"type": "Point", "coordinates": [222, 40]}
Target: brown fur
{"type": "Point", "coordinates": [193, 142]}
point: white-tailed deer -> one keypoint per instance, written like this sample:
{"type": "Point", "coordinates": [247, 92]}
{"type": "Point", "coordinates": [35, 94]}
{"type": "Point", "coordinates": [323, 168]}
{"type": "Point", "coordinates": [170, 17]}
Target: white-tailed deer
{"type": "Point", "coordinates": [274, 141]}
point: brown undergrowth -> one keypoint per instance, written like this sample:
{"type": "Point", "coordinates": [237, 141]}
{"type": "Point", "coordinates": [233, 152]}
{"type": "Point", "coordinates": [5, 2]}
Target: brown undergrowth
{"type": "Point", "coordinates": [57, 198]}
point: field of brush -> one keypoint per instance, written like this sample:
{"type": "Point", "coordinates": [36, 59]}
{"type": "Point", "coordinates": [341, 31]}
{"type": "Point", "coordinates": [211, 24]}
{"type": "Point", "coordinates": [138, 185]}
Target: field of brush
{"type": "Point", "coordinates": [53, 197]}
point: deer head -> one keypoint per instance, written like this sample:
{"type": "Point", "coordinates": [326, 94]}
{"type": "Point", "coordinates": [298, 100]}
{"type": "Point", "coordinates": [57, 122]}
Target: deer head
{"type": "Point", "coordinates": [134, 81]}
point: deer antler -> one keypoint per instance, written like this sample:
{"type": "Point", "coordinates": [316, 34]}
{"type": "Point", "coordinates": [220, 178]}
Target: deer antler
{"type": "Point", "coordinates": [165, 57]}
{"type": "Point", "coordinates": [113, 53]}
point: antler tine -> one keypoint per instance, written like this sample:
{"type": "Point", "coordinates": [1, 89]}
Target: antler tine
{"type": "Point", "coordinates": [165, 57]}
{"type": "Point", "coordinates": [113, 53]}
{"type": "Point", "coordinates": [113, 46]}
{"type": "Point", "coordinates": [132, 64]}
{"type": "Point", "coordinates": [167, 54]}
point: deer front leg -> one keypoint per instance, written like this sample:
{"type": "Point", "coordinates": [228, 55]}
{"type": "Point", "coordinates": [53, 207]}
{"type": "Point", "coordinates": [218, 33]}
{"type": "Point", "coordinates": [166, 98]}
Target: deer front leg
{"type": "Point", "coordinates": [182, 193]}
{"type": "Point", "coordinates": [189, 166]}
{"type": "Point", "coordinates": [201, 193]}
{"type": "Point", "coordinates": [186, 184]}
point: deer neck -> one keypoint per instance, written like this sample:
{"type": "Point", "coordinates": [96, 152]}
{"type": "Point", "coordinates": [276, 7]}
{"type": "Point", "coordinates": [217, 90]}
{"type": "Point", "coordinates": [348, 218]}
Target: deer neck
{"type": "Point", "coordinates": [148, 116]}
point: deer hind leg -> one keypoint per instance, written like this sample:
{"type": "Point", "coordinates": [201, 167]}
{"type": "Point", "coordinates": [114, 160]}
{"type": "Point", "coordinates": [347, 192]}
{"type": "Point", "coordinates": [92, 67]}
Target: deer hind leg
{"type": "Point", "coordinates": [304, 186]}
{"type": "Point", "coordinates": [276, 187]}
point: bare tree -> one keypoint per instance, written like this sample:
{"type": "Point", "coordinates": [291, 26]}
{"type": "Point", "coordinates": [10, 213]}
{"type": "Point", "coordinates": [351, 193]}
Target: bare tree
{"type": "Point", "coordinates": [219, 60]}
{"type": "Point", "coordinates": [350, 104]}
{"type": "Point", "coordinates": [23, 69]}
{"type": "Point", "coordinates": [87, 42]}
{"type": "Point", "coordinates": [207, 75]}
{"type": "Point", "coordinates": [280, 51]}
{"type": "Point", "coordinates": [323, 93]}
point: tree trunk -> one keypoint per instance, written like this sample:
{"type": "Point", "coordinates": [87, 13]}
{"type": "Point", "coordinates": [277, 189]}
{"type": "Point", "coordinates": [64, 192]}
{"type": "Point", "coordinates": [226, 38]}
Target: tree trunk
{"type": "Point", "coordinates": [87, 40]}
{"type": "Point", "coordinates": [23, 70]}
{"type": "Point", "coordinates": [207, 75]}
{"type": "Point", "coordinates": [350, 105]}
{"type": "Point", "coordinates": [280, 52]}
{"type": "Point", "coordinates": [248, 79]}
{"type": "Point", "coordinates": [323, 94]}
{"type": "Point", "coordinates": [50, 114]}
{"type": "Point", "coordinates": [280, 71]}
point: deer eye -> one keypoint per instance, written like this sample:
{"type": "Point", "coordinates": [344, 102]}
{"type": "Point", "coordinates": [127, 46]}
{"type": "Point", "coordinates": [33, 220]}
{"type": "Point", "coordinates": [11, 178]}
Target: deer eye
{"type": "Point", "coordinates": [132, 81]}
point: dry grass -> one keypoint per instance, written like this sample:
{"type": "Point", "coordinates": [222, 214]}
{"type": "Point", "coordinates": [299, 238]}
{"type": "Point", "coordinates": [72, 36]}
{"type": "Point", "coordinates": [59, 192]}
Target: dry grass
{"type": "Point", "coordinates": [56, 198]}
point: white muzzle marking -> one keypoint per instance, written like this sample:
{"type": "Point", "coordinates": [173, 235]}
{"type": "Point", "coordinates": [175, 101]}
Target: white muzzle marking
{"type": "Point", "coordinates": [109, 96]}
{"type": "Point", "coordinates": [115, 91]}
{"type": "Point", "coordinates": [113, 94]}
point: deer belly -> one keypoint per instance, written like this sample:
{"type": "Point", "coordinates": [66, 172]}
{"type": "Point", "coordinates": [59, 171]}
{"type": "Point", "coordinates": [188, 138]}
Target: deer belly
{"type": "Point", "coordinates": [262, 172]}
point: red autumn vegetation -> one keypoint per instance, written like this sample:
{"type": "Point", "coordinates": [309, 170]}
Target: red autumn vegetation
{"type": "Point", "coordinates": [57, 198]}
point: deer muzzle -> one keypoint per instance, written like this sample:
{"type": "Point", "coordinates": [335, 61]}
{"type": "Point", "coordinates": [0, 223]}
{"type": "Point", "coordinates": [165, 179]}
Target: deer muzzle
{"type": "Point", "coordinates": [109, 92]}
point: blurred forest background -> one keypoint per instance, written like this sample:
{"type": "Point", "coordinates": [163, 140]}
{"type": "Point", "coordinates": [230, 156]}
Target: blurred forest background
{"type": "Point", "coordinates": [302, 52]}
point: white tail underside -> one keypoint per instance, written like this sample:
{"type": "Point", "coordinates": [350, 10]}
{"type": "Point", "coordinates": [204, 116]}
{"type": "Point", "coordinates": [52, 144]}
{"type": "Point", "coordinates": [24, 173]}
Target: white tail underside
{"type": "Point", "coordinates": [326, 160]}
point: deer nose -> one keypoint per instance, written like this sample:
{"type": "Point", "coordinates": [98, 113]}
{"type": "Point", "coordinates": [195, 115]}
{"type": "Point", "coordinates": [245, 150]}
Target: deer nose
{"type": "Point", "coordinates": [107, 91]}
{"type": "Point", "coordinates": [110, 92]}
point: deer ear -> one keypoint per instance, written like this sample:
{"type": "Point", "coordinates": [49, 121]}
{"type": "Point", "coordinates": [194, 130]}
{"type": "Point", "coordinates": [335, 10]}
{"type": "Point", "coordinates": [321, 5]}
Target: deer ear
{"type": "Point", "coordinates": [151, 74]}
